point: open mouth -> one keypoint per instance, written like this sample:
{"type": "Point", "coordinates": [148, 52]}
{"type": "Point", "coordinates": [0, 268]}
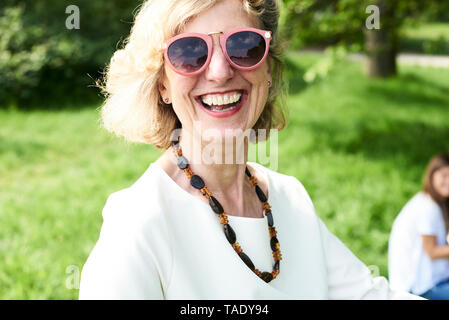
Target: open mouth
{"type": "Point", "coordinates": [222, 102]}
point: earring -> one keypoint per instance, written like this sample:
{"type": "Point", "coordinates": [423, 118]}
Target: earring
{"type": "Point", "coordinates": [166, 100]}
{"type": "Point", "coordinates": [269, 83]}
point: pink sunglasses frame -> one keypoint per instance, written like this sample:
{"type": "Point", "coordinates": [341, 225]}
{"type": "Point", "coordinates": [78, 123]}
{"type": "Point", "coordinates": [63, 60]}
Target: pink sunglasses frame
{"type": "Point", "coordinates": [266, 35]}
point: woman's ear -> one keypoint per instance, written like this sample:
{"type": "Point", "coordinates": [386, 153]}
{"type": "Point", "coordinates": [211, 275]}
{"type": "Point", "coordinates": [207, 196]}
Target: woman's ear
{"type": "Point", "coordinates": [163, 90]}
{"type": "Point", "coordinates": [161, 87]}
{"type": "Point", "coordinates": [270, 81]}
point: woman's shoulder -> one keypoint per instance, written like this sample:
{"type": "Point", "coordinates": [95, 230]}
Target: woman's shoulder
{"type": "Point", "coordinates": [423, 202]}
{"type": "Point", "coordinates": [137, 203]}
{"type": "Point", "coordinates": [420, 205]}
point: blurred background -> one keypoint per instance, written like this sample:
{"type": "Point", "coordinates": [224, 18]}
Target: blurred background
{"type": "Point", "coordinates": [368, 108]}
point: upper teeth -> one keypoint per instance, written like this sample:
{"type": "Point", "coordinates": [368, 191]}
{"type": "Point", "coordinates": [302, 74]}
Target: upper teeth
{"type": "Point", "coordinates": [220, 99]}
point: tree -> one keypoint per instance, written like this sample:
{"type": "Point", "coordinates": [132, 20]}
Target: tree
{"type": "Point", "coordinates": [40, 58]}
{"type": "Point", "coordinates": [331, 22]}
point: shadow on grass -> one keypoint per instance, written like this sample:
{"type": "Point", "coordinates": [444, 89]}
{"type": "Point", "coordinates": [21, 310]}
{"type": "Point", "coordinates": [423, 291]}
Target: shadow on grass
{"type": "Point", "coordinates": [55, 94]}
{"type": "Point", "coordinates": [294, 75]}
{"type": "Point", "coordinates": [411, 142]}
{"type": "Point", "coordinates": [414, 90]}
{"type": "Point", "coordinates": [425, 46]}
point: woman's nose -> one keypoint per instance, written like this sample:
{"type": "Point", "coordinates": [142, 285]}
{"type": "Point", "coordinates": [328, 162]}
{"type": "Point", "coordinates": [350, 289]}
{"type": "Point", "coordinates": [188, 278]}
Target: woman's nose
{"type": "Point", "coordinates": [219, 69]}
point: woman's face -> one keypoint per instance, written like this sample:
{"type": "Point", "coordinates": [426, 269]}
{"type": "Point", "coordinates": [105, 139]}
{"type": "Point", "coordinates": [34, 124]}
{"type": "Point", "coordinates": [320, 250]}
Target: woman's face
{"type": "Point", "coordinates": [440, 181]}
{"type": "Point", "coordinates": [219, 80]}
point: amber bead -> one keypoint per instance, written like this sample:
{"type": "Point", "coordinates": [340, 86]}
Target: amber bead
{"type": "Point", "coordinates": [266, 276]}
{"type": "Point", "coordinates": [277, 255]}
{"type": "Point", "coordinates": [206, 192]}
{"type": "Point", "coordinates": [183, 163]}
{"type": "Point", "coordinates": [274, 243]}
{"type": "Point", "coordinates": [269, 218]}
{"type": "Point", "coordinates": [223, 218]}
{"type": "Point", "coordinates": [197, 182]}
{"type": "Point", "coordinates": [260, 194]}
{"type": "Point", "coordinates": [229, 233]}
{"type": "Point", "coordinates": [266, 206]}
{"type": "Point", "coordinates": [215, 205]}
{"type": "Point", "coordinates": [237, 247]}
{"type": "Point", "coordinates": [247, 260]}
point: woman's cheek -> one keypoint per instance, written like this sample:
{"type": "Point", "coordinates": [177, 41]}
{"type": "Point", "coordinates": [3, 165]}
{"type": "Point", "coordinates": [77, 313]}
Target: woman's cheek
{"type": "Point", "coordinates": [261, 95]}
{"type": "Point", "coordinates": [184, 103]}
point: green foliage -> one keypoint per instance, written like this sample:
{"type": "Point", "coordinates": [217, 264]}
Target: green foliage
{"type": "Point", "coordinates": [41, 60]}
{"type": "Point", "coordinates": [20, 58]}
{"type": "Point", "coordinates": [322, 68]}
{"type": "Point", "coordinates": [329, 22]}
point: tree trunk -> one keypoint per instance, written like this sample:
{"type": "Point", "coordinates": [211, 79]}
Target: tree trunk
{"type": "Point", "coordinates": [381, 44]}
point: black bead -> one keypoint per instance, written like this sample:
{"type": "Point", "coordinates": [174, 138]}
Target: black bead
{"type": "Point", "coordinates": [273, 243]}
{"type": "Point", "coordinates": [260, 194]}
{"type": "Point", "coordinates": [269, 218]}
{"type": "Point", "coordinates": [266, 276]}
{"type": "Point", "coordinates": [215, 205]}
{"type": "Point", "coordinates": [276, 265]}
{"type": "Point", "coordinates": [247, 172]}
{"type": "Point", "coordinates": [229, 233]}
{"type": "Point", "coordinates": [197, 182]}
{"type": "Point", "coordinates": [183, 163]}
{"type": "Point", "coordinates": [247, 260]}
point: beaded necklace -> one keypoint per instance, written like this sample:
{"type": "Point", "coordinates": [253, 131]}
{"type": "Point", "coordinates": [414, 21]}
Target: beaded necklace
{"type": "Point", "coordinates": [199, 184]}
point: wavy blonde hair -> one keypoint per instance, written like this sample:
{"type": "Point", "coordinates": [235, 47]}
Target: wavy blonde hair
{"type": "Point", "coordinates": [133, 107]}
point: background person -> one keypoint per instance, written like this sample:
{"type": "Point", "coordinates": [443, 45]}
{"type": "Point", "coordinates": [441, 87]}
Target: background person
{"type": "Point", "coordinates": [418, 249]}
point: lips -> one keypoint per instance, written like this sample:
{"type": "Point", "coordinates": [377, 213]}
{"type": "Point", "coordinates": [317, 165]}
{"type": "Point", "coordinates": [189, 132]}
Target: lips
{"type": "Point", "coordinates": [222, 104]}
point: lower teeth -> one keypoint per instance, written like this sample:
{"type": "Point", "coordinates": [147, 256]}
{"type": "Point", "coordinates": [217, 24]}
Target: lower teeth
{"type": "Point", "coordinates": [219, 109]}
{"type": "Point", "coordinates": [213, 108]}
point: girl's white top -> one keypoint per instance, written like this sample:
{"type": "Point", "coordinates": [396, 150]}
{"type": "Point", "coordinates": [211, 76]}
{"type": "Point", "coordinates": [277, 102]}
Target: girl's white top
{"type": "Point", "coordinates": [410, 268]}
{"type": "Point", "coordinates": [158, 241]}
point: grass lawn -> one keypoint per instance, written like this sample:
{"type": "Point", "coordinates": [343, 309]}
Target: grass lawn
{"type": "Point", "coordinates": [358, 145]}
{"type": "Point", "coordinates": [429, 30]}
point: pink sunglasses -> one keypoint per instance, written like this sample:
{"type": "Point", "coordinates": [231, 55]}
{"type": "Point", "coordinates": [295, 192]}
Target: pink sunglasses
{"type": "Point", "coordinates": [190, 53]}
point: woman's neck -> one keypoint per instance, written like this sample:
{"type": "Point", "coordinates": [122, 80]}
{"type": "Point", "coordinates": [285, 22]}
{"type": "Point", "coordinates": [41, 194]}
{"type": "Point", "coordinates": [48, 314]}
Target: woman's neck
{"type": "Point", "coordinates": [221, 164]}
{"type": "Point", "coordinates": [223, 175]}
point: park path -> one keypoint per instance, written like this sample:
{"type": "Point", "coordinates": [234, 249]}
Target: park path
{"type": "Point", "coordinates": [423, 60]}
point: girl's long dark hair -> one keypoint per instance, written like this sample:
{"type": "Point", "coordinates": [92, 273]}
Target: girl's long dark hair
{"type": "Point", "coordinates": [437, 162]}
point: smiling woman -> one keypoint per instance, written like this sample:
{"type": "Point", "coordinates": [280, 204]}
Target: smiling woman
{"type": "Point", "coordinates": [134, 107]}
{"type": "Point", "coordinates": [188, 229]}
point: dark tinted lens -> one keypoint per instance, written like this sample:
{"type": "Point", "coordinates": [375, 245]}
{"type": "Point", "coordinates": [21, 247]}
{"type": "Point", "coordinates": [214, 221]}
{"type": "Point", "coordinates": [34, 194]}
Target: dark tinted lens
{"type": "Point", "coordinates": [188, 54]}
{"type": "Point", "coordinates": [246, 48]}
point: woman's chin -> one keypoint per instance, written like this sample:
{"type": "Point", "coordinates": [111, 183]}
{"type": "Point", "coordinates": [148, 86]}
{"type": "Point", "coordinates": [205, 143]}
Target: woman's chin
{"type": "Point", "coordinates": [222, 134]}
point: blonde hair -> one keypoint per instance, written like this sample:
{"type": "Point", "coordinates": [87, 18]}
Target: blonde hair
{"type": "Point", "coordinates": [133, 107]}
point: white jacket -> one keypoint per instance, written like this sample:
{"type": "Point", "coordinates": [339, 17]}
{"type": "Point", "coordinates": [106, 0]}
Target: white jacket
{"type": "Point", "coordinates": [160, 242]}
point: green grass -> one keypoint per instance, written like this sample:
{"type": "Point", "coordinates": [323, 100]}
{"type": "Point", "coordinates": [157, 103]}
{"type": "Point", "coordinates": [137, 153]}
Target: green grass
{"type": "Point", "coordinates": [56, 169]}
{"type": "Point", "coordinates": [361, 146]}
{"type": "Point", "coordinates": [358, 145]}
{"type": "Point", "coordinates": [429, 30]}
